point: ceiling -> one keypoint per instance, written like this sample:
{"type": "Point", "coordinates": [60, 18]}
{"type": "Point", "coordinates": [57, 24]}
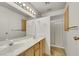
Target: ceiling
{"type": "Point", "coordinates": [43, 7]}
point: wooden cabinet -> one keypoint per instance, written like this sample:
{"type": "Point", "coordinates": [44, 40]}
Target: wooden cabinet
{"type": "Point", "coordinates": [66, 19]}
{"type": "Point", "coordinates": [41, 48]}
{"type": "Point", "coordinates": [36, 50]}
{"type": "Point", "coordinates": [22, 54]}
{"type": "Point", "coordinates": [36, 46]}
{"type": "Point", "coordinates": [42, 42]}
{"type": "Point", "coordinates": [29, 52]}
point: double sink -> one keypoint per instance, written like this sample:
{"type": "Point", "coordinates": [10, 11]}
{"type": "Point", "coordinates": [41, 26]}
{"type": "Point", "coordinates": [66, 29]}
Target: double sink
{"type": "Point", "coordinates": [15, 46]}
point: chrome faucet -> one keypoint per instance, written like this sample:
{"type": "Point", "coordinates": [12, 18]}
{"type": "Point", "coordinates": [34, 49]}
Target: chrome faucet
{"type": "Point", "coordinates": [11, 43]}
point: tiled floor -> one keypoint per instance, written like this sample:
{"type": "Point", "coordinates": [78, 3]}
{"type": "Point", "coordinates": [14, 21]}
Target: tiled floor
{"type": "Point", "coordinates": [57, 51]}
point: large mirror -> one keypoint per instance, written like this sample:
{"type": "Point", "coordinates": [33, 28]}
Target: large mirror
{"type": "Point", "coordinates": [11, 24]}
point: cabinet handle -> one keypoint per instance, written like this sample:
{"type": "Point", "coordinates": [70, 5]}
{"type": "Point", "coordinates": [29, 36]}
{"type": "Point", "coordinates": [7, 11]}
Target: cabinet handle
{"type": "Point", "coordinates": [76, 38]}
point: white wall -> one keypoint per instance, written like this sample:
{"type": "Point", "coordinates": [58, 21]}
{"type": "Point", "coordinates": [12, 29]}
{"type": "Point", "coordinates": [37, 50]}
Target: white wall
{"type": "Point", "coordinates": [53, 13]}
{"type": "Point", "coordinates": [10, 20]}
{"type": "Point", "coordinates": [45, 30]}
{"type": "Point", "coordinates": [42, 29]}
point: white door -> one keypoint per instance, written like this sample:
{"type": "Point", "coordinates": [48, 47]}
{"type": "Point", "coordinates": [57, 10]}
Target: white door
{"type": "Point", "coordinates": [73, 45]}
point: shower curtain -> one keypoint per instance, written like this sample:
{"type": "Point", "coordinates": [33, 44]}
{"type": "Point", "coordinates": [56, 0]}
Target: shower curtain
{"type": "Point", "coordinates": [57, 33]}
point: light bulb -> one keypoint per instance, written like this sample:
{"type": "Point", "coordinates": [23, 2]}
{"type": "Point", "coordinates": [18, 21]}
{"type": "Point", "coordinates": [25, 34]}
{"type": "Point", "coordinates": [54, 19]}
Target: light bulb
{"type": "Point", "coordinates": [19, 2]}
{"type": "Point", "coordinates": [34, 13]}
{"type": "Point", "coordinates": [27, 7]}
{"type": "Point", "coordinates": [30, 9]}
{"type": "Point", "coordinates": [24, 4]}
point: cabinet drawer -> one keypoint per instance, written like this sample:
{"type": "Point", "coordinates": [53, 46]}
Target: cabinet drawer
{"type": "Point", "coordinates": [36, 46]}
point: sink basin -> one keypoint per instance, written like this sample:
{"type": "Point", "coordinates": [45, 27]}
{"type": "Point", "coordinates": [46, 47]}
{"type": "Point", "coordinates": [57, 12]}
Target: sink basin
{"type": "Point", "coordinates": [18, 44]}
{"type": "Point", "coordinates": [9, 49]}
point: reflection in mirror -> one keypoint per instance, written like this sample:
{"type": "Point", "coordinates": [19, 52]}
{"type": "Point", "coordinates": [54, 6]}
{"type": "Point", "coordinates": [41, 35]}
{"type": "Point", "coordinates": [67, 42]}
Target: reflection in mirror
{"type": "Point", "coordinates": [10, 24]}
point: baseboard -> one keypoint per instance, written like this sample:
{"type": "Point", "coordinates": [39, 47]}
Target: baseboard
{"type": "Point", "coordinates": [56, 46]}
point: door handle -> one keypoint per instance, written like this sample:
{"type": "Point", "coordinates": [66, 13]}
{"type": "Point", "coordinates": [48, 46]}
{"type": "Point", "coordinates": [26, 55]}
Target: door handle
{"type": "Point", "coordinates": [76, 38]}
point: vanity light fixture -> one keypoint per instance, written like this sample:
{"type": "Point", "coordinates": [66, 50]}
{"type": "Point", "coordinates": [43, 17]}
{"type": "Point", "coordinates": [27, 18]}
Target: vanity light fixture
{"type": "Point", "coordinates": [27, 8]}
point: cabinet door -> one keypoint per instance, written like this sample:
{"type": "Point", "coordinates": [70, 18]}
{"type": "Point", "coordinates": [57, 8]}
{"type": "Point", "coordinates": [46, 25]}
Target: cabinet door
{"type": "Point", "coordinates": [42, 47]}
{"type": "Point", "coordinates": [29, 52]}
{"type": "Point", "coordinates": [37, 52]}
{"type": "Point", "coordinates": [36, 46]}
{"type": "Point", "coordinates": [66, 19]}
{"type": "Point", "coordinates": [37, 49]}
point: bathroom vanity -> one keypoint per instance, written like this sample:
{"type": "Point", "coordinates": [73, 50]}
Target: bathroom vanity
{"type": "Point", "coordinates": [36, 50]}
{"type": "Point", "coordinates": [23, 47]}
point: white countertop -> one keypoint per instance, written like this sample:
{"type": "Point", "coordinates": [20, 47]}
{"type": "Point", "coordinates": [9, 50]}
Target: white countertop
{"type": "Point", "coordinates": [19, 47]}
